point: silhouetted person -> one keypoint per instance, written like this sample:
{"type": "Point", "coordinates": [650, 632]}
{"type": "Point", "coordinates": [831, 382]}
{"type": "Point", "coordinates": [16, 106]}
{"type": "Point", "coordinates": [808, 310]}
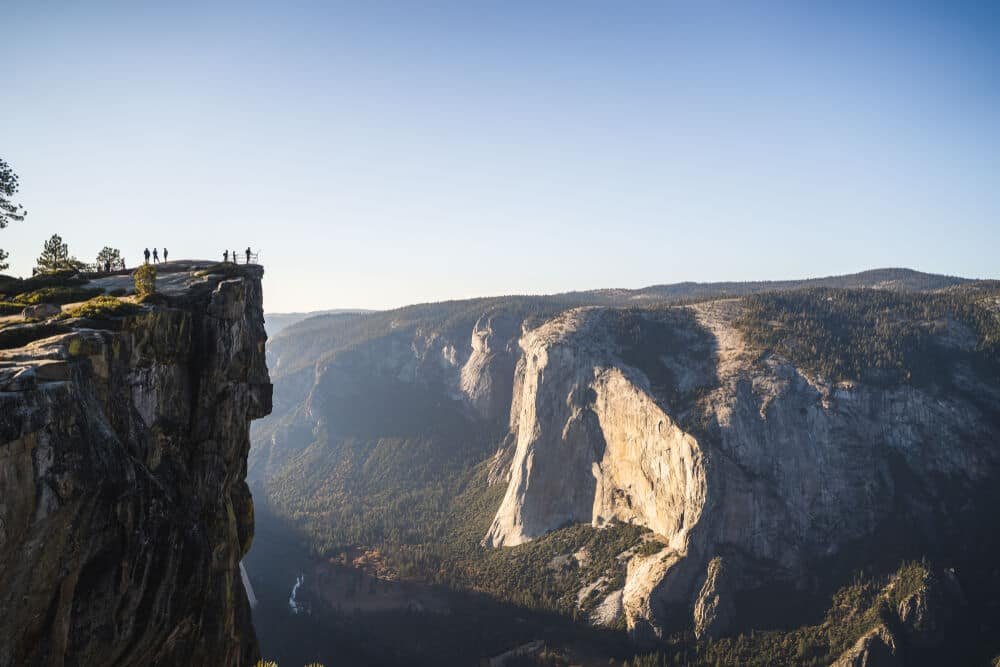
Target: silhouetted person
{"type": "Point", "coordinates": [156, 258]}
{"type": "Point", "coordinates": [164, 254]}
{"type": "Point", "coordinates": [225, 256]}
{"type": "Point", "coordinates": [248, 254]}
{"type": "Point", "coordinates": [107, 266]}
{"type": "Point", "coordinates": [146, 253]}
{"type": "Point", "coordinates": [123, 263]}
{"type": "Point", "coordinates": [234, 258]}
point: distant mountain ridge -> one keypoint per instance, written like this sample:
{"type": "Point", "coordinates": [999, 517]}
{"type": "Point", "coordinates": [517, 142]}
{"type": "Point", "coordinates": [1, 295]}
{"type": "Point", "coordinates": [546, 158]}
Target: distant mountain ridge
{"type": "Point", "coordinates": [888, 278]}
{"type": "Point", "coordinates": [337, 329]}
{"type": "Point", "coordinates": [276, 322]}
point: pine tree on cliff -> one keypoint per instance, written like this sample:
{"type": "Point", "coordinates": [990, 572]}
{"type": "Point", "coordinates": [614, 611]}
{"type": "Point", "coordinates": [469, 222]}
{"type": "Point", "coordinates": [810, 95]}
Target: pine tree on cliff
{"type": "Point", "coordinates": [9, 211]}
{"type": "Point", "coordinates": [55, 256]}
{"type": "Point", "coordinates": [108, 256]}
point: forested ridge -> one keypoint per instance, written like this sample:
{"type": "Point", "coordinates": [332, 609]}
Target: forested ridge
{"type": "Point", "coordinates": [879, 336]}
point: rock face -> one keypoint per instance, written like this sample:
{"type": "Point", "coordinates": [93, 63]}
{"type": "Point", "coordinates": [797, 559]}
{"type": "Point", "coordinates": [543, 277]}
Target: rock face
{"type": "Point", "coordinates": [485, 379]}
{"type": "Point", "coordinates": [876, 648]}
{"type": "Point", "coordinates": [41, 311]}
{"type": "Point", "coordinates": [713, 610]}
{"type": "Point", "coordinates": [753, 471]}
{"type": "Point", "coordinates": [405, 364]}
{"type": "Point", "coordinates": [124, 512]}
{"type": "Point", "coordinates": [592, 443]}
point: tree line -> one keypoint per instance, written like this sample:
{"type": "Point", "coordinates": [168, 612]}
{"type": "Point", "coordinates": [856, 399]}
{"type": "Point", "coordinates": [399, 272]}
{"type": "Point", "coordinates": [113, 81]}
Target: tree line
{"type": "Point", "coordinates": [55, 252]}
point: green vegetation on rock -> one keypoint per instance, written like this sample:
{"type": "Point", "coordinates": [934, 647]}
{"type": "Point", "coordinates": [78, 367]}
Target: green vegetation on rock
{"type": "Point", "coordinates": [57, 295]}
{"type": "Point", "coordinates": [145, 280]}
{"type": "Point", "coordinates": [101, 307]}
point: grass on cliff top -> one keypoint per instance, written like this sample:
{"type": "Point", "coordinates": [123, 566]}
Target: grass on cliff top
{"type": "Point", "coordinates": [101, 307]}
{"type": "Point", "coordinates": [57, 295]}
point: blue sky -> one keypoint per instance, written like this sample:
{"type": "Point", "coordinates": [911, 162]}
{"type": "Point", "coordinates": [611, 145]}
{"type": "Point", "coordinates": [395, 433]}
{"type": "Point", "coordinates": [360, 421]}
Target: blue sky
{"type": "Point", "coordinates": [380, 154]}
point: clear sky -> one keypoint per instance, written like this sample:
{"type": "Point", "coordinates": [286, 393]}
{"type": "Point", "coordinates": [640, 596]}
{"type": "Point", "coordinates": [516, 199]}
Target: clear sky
{"type": "Point", "coordinates": [380, 154]}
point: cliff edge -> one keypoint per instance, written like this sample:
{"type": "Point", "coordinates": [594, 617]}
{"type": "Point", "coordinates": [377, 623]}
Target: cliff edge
{"type": "Point", "coordinates": [124, 510]}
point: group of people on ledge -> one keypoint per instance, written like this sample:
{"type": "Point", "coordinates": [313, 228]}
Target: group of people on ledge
{"type": "Point", "coordinates": [225, 256]}
{"type": "Point", "coordinates": [156, 257]}
{"type": "Point", "coordinates": [110, 266]}
{"type": "Point", "coordinates": [118, 264]}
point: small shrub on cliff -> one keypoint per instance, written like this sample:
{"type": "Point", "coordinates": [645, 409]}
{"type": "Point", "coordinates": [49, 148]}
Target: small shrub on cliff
{"type": "Point", "coordinates": [145, 280]}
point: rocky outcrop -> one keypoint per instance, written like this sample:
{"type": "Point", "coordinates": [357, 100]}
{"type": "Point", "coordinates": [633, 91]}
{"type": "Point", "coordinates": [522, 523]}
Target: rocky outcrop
{"type": "Point", "coordinates": [486, 377]}
{"type": "Point", "coordinates": [41, 311]}
{"type": "Point", "coordinates": [592, 444]}
{"type": "Point", "coordinates": [713, 609]}
{"type": "Point", "coordinates": [664, 419]}
{"type": "Point", "coordinates": [876, 648]}
{"type": "Point", "coordinates": [907, 619]}
{"type": "Point", "coordinates": [124, 511]}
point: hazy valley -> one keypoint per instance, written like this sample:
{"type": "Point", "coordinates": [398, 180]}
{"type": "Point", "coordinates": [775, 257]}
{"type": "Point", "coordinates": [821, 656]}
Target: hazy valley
{"type": "Point", "coordinates": [626, 472]}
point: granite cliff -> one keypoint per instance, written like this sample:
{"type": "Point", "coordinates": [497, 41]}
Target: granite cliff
{"type": "Point", "coordinates": [123, 441]}
{"type": "Point", "coordinates": [751, 469]}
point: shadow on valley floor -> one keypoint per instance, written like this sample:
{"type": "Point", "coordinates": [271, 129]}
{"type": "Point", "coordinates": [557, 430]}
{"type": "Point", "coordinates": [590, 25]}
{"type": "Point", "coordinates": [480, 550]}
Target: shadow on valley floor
{"type": "Point", "coordinates": [390, 623]}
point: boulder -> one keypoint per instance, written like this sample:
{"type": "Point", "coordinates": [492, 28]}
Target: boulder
{"type": "Point", "coordinates": [41, 311]}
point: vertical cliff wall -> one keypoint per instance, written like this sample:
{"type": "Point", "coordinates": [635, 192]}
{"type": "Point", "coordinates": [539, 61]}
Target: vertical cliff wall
{"type": "Point", "coordinates": [123, 507]}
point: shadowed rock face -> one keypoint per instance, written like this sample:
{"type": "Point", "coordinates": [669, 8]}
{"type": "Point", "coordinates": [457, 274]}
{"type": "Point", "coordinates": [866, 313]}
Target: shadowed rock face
{"type": "Point", "coordinates": [123, 507]}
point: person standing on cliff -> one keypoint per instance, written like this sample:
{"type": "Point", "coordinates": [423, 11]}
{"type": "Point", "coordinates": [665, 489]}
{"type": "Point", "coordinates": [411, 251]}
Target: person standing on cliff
{"type": "Point", "coordinates": [164, 254]}
{"type": "Point", "coordinates": [234, 258]}
{"type": "Point", "coordinates": [146, 253]}
{"type": "Point", "coordinates": [156, 258]}
{"type": "Point", "coordinates": [248, 254]}
{"type": "Point", "coordinates": [225, 256]}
